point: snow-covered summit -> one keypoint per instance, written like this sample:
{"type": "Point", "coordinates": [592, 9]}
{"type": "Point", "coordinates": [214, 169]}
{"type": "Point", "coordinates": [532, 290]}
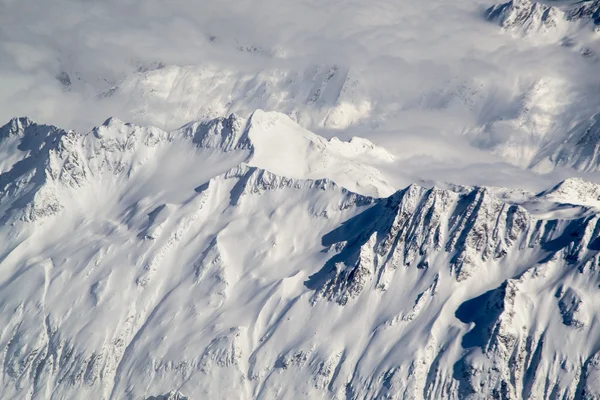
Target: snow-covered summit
{"type": "Point", "coordinates": [526, 16]}
{"type": "Point", "coordinates": [574, 191]}
{"type": "Point", "coordinates": [278, 144]}
{"type": "Point", "coordinates": [15, 126]}
{"type": "Point", "coordinates": [586, 10]}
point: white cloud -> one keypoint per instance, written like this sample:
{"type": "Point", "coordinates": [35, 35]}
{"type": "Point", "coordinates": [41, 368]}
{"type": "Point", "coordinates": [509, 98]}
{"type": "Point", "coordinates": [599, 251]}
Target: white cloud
{"type": "Point", "coordinates": [429, 68]}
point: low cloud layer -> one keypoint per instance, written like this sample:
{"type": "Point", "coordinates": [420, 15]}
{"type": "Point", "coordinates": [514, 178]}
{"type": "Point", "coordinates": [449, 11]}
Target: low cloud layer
{"type": "Point", "coordinates": [432, 70]}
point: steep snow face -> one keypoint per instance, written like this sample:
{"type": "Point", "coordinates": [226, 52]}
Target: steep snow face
{"type": "Point", "coordinates": [574, 191]}
{"type": "Point", "coordinates": [280, 145]}
{"type": "Point", "coordinates": [322, 95]}
{"type": "Point", "coordinates": [527, 17]}
{"type": "Point", "coordinates": [524, 17]}
{"type": "Point", "coordinates": [587, 10]}
{"type": "Point", "coordinates": [138, 263]}
{"type": "Point", "coordinates": [579, 149]}
{"type": "Point", "coordinates": [540, 115]}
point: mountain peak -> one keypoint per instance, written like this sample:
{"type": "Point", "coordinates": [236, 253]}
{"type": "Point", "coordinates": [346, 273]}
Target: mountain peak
{"type": "Point", "coordinates": [586, 10]}
{"type": "Point", "coordinates": [15, 126]}
{"type": "Point", "coordinates": [226, 134]}
{"type": "Point", "coordinates": [25, 127]}
{"type": "Point", "coordinates": [278, 144]}
{"type": "Point", "coordinates": [524, 17]}
{"type": "Point", "coordinates": [574, 191]}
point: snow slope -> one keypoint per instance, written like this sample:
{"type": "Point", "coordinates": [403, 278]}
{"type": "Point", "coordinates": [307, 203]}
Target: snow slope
{"type": "Point", "coordinates": [139, 263]}
{"type": "Point", "coordinates": [524, 17]}
{"type": "Point", "coordinates": [282, 146]}
{"type": "Point", "coordinates": [527, 17]}
{"type": "Point", "coordinates": [320, 95]}
{"type": "Point", "coordinates": [553, 123]}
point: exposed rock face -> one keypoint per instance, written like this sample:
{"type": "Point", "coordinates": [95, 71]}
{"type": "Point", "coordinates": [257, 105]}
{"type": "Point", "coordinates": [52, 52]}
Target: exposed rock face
{"type": "Point", "coordinates": [459, 236]}
{"type": "Point", "coordinates": [172, 395]}
{"type": "Point", "coordinates": [416, 225]}
{"type": "Point", "coordinates": [589, 10]}
{"type": "Point", "coordinates": [570, 306]}
{"type": "Point", "coordinates": [526, 16]}
{"type": "Point", "coordinates": [224, 133]}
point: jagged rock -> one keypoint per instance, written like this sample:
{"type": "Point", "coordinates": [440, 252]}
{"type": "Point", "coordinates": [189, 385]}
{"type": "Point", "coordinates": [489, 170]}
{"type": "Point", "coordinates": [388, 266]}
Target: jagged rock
{"type": "Point", "coordinates": [414, 224]}
{"type": "Point", "coordinates": [226, 134]}
{"type": "Point", "coordinates": [586, 10]}
{"type": "Point", "coordinates": [575, 191]}
{"type": "Point", "coordinates": [525, 16]}
{"type": "Point", "coordinates": [570, 306]}
{"type": "Point", "coordinates": [297, 359]}
{"type": "Point", "coordinates": [172, 395]}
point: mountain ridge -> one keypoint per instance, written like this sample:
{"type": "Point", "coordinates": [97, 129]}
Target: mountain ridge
{"type": "Point", "coordinates": [260, 272]}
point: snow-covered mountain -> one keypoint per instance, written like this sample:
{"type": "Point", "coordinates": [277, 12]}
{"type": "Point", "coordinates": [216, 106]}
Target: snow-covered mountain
{"type": "Point", "coordinates": [555, 117]}
{"type": "Point", "coordinates": [227, 260]}
{"type": "Point", "coordinates": [525, 17]}
{"type": "Point", "coordinates": [329, 96]}
{"type": "Point", "coordinates": [414, 215]}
